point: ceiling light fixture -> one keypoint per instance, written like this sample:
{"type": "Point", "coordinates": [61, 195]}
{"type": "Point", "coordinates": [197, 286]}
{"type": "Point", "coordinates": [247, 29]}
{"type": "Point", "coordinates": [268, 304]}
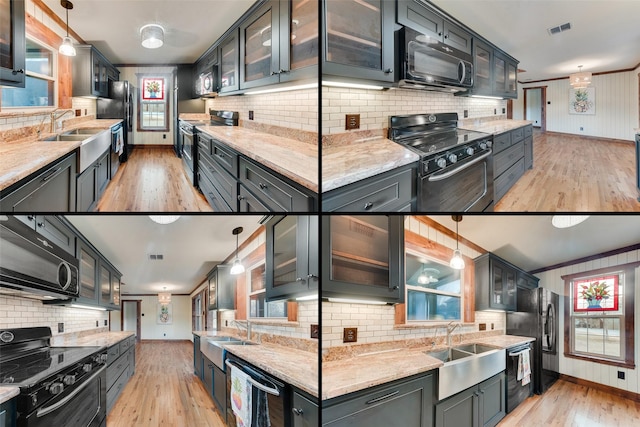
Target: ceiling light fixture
{"type": "Point", "coordinates": [164, 219]}
{"type": "Point", "coordinates": [566, 221]}
{"type": "Point", "coordinates": [581, 79]}
{"type": "Point", "coordinates": [152, 36]}
{"type": "Point", "coordinates": [428, 275]}
{"type": "Point", "coordinates": [164, 298]}
{"type": "Point", "coordinates": [457, 261]}
{"type": "Point", "coordinates": [66, 48]}
{"type": "Point", "coordinates": [237, 267]}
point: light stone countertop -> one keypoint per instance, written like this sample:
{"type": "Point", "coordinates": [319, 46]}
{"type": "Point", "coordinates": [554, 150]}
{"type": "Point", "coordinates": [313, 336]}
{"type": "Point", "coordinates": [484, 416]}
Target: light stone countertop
{"type": "Point", "coordinates": [103, 339]}
{"type": "Point", "coordinates": [19, 159]}
{"type": "Point", "coordinates": [294, 159]}
{"type": "Point", "coordinates": [496, 127]}
{"type": "Point", "coordinates": [348, 163]}
{"type": "Point", "coordinates": [352, 374]}
{"type": "Point", "coordinates": [8, 392]}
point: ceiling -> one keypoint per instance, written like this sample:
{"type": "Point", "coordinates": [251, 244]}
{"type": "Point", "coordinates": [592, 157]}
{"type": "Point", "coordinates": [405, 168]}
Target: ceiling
{"type": "Point", "coordinates": [191, 247]}
{"type": "Point", "coordinates": [531, 242]}
{"type": "Point", "coordinates": [191, 26]}
{"type": "Point", "coordinates": [604, 34]}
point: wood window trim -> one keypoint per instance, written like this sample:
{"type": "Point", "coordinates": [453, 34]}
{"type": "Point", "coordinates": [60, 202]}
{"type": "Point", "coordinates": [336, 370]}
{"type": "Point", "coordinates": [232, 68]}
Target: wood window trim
{"type": "Point", "coordinates": [629, 314]}
{"type": "Point", "coordinates": [167, 101]}
{"type": "Point", "coordinates": [441, 253]}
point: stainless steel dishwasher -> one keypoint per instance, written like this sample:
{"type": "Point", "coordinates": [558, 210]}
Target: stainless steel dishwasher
{"type": "Point", "coordinates": [516, 392]}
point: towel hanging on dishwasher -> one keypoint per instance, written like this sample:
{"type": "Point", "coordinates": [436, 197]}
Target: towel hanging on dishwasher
{"type": "Point", "coordinates": [119, 141]}
{"type": "Point", "coordinates": [524, 367]}
{"type": "Point", "coordinates": [241, 390]}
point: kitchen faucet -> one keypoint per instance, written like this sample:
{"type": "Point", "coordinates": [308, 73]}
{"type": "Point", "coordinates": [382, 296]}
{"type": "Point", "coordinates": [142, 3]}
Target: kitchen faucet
{"type": "Point", "coordinates": [55, 117]}
{"type": "Point", "coordinates": [246, 327]}
{"type": "Point", "coordinates": [450, 330]}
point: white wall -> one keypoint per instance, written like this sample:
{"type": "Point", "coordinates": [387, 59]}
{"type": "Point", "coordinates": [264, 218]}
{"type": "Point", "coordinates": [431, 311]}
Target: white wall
{"type": "Point", "coordinates": [596, 372]}
{"type": "Point", "coordinates": [616, 106]}
{"type": "Point", "coordinates": [180, 329]}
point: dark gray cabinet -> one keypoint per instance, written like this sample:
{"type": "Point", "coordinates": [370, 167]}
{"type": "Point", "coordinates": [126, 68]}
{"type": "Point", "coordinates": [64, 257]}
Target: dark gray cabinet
{"type": "Point", "coordinates": [528, 147]}
{"type": "Point", "coordinates": [496, 283]}
{"type": "Point", "coordinates": [53, 229]}
{"type": "Point", "coordinates": [99, 279]}
{"type": "Point", "coordinates": [229, 63]}
{"type": "Point", "coordinates": [109, 286]}
{"type": "Point", "coordinates": [505, 70]}
{"type": "Point", "coordinates": [495, 73]}
{"type": "Point", "coordinates": [292, 262]}
{"type": "Point", "coordinates": [221, 288]}
{"type": "Point", "coordinates": [12, 43]}
{"type": "Point", "coordinates": [479, 406]}
{"type": "Point", "coordinates": [526, 280]}
{"type": "Point", "coordinates": [8, 413]}
{"type": "Point", "coordinates": [217, 172]}
{"type": "Point", "coordinates": [120, 368]}
{"type": "Point", "coordinates": [392, 191]}
{"type": "Point", "coordinates": [298, 40]}
{"type": "Point", "coordinates": [304, 410]}
{"type": "Point", "coordinates": [92, 72]}
{"type": "Point", "coordinates": [91, 183]}
{"type": "Point", "coordinates": [88, 259]}
{"type": "Point", "coordinates": [198, 360]}
{"type": "Point", "coordinates": [512, 152]}
{"type": "Point", "coordinates": [50, 189]}
{"type": "Point", "coordinates": [363, 257]}
{"type": "Point", "coordinates": [215, 382]}
{"type": "Point", "coordinates": [407, 402]}
{"type": "Point", "coordinates": [260, 46]}
{"type": "Point", "coordinates": [185, 86]}
{"type": "Point", "coordinates": [358, 40]}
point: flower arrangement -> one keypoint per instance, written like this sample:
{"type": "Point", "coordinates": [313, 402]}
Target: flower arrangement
{"type": "Point", "coordinates": [595, 291]}
{"type": "Point", "coordinates": [153, 86]}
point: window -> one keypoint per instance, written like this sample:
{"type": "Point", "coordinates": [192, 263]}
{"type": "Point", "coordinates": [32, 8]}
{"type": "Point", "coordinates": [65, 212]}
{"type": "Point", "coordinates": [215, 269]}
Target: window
{"type": "Point", "coordinates": [599, 315]}
{"type": "Point", "coordinates": [258, 306]}
{"type": "Point", "coordinates": [434, 290]}
{"type": "Point", "coordinates": [40, 79]}
{"type": "Point", "coordinates": [153, 104]}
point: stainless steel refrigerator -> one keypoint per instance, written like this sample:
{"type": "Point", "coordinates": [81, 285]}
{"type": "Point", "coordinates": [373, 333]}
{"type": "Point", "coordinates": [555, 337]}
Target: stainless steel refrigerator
{"type": "Point", "coordinates": [120, 105]}
{"type": "Point", "coordinates": [537, 317]}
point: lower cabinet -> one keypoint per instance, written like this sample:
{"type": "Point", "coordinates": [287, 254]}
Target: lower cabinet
{"type": "Point", "coordinates": [304, 410]}
{"type": "Point", "coordinates": [482, 405]}
{"type": "Point", "coordinates": [121, 362]}
{"type": "Point", "coordinates": [91, 183]}
{"type": "Point", "coordinates": [197, 357]}
{"type": "Point", "coordinates": [8, 413]}
{"type": "Point", "coordinates": [512, 155]}
{"type": "Point", "coordinates": [407, 402]}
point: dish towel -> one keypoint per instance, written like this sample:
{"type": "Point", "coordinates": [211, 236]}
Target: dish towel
{"type": "Point", "coordinates": [119, 142]}
{"type": "Point", "coordinates": [241, 397]}
{"type": "Point", "coordinates": [262, 410]}
{"type": "Point", "coordinates": [524, 368]}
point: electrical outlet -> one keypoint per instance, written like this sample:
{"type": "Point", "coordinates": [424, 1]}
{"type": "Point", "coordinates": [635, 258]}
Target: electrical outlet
{"type": "Point", "coordinates": [465, 113]}
{"type": "Point", "coordinates": [250, 114]}
{"type": "Point", "coordinates": [482, 327]}
{"type": "Point", "coordinates": [350, 335]}
{"type": "Point", "coordinates": [60, 328]}
{"type": "Point", "coordinates": [164, 335]}
{"type": "Point", "coordinates": [581, 128]}
{"type": "Point", "coordinates": [495, 111]}
{"type": "Point", "coordinates": [97, 323]}
{"type": "Point", "coordinates": [106, 322]}
{"type": "Point", "coordinates": [503, 110]}
{"type": "Point", "coordinates": [315, 331]}
{"type": "Point", "coordinates": [492, 326]}
{"type": "Point", "coordinates": [352, 121]}
{"type": "Point", "coordinates": [620, 375]}
{"type": "Point", "coordinates": [78, 113]}
{"type": "Point", "coordinates": [164, 136]}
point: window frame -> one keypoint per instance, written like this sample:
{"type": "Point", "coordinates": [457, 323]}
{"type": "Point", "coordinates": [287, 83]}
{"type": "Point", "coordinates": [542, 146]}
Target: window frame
{"type": "Point", "coordinates": [166, 101]}
{"type": "Point", "coordinates": [626, 314]}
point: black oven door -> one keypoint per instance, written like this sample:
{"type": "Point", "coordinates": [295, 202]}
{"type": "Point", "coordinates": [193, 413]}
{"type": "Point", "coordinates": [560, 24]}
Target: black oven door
{"type": "Point", "coordinates": [83, 406]}
{"type": "Point", "coordinates": [464, 187]}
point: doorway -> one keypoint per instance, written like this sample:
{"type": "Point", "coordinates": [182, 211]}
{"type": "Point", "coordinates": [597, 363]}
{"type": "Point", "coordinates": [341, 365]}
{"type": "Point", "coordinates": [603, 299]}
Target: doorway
{"type": "Point", "coordinates": [130, 316]}
{"type": "Point", "coordinates": [535, 106]}
{"type": "Point", "coordinates": [199, 313]}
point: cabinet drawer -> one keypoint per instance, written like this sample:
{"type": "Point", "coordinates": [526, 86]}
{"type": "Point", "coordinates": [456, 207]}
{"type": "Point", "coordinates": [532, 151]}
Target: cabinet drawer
{"type": "Point", "coordinates": [116, 369]}
{"type": "Point", "coordinates": [212, 195]}
{"type": "Point", "coordinates": [124, 345]}
{"type": "Point", "coordinates": [224, 155]}
{"type": "Point", "coordinates": [517, 135]}
{"type": "Point", "coordinates": [505, 159]}
{"type": "Point", "coordinates": [114, 391]}
{"type": "Point", "coordinates": [204, 145]}
{"type": "Point", "coordinates": [386, 193]}
{"type": "Point", "coordinates": [247, 202]}
{"type": "Point", "coordinates": [272, 191]}
{"type": "Point", "coordinates": [224, 183]}
{"type": "Point", "coordinates": [500, 142]}
{"type": "Point", "coordinates": [528, 130]}
{"type": "Point", "coordinates": [507, 179]}
{"type": "Point", "coordinates": [112, 353]}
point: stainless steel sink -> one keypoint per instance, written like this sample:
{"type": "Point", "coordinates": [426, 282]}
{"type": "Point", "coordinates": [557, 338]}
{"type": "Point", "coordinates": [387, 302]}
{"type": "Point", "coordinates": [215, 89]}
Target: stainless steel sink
{"type": "Point", "coordinates": [84, 131]}
{"type": "Point", "coordinates": [213, 348]}
{"type": "Point", "coordinates": [465, 366]}
{"type": "Point", "coordinates": [64, 137]}
{"type": "Point", "coordinates": [93, 145]}
{"type": "Point", "coordinates": [223, 339]}
{"type": "Point", "coordinates": [240, 343]}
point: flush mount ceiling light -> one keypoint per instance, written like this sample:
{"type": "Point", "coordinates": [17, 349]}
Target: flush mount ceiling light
{"type": "Point", "coordinates": [566, 221]}
{"type": "Point", "coordinates": [66, 48]}
{"type": "Point", "coordinates": [457, 261]}
{"type": "Point", "coordinates": [152, 36]}
{"type": "Point", "coordinates": [237, 267]}
{"type": "Point", "coordinates": [164, 297]}
{"type": "Point", "coordinates": [428, 275]}
{"type": "Point", "coordinates": [164, 219]}
{"type": "Point", "coordinates": [580, 80]}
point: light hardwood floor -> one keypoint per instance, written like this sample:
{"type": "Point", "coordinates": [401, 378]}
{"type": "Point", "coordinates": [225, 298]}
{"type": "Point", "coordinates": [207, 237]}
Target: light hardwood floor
{"type": "Point", "coordinates": [573, 174]}
{"type": "Point", "coordinates": [568, 404]}
{"type": "Point", "coordinates": [152, 180]}
{"type": "Point", "coordinates": [164, 391]}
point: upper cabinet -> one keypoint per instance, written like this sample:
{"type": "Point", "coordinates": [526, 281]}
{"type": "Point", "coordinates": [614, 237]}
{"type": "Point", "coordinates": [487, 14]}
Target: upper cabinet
{"type": "Point", "coordinates": [496, 73]}
{"type": "Point", "coordinates": [496, 283]}
{"type": "Point", "coordinates": [92, 72]}
{"type": "Point", "coordinates": [298, 40]}
{"type": "Point", "coordinates": [363, 257]}
{"type": "Point", "coordinates": [259, 47]}
{"type": "Point", "coordinates": [358, 39]}
{"type": "Point", "coordinates": [229, 60]}
{"type": "Point", "coordinates": [505, 73]}
{"type": "Point", "coordinates": [12, 43]}
{"type": "Point", "coordinates": [221, 288]}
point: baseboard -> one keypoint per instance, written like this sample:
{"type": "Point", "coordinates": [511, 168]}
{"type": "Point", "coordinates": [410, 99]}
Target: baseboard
{"type": "Point", "coordinates": [596, 138]}
{"type": "Point", "coordinates": [602, 387]}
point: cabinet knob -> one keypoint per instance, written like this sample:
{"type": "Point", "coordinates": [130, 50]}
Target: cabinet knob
{"type": "Point", "coordinates": [368, 206]}
{"type": "Point", "coordinates": [298, 412]}
{"type": "Point", "coordinates": [388, 71]}
{"type": "Point", "coordinates": [30, 217]}
{"type": "Point", "coordinates": [312, 276]}
{"type": "Point", "coordinates": [41, 224]}
{"type": "Point", "coordinates": [20, 71]}
{"type": "Point", "coordinates": [240, 197]}
{"type": "Point", "coordinates": [395, 288]}
{"type": "Point", "coordinates": [262, 186]}
{"type": "Point", "coordinates": [299, 279]}
{"type": "Point", "coordinates": [273, 73]}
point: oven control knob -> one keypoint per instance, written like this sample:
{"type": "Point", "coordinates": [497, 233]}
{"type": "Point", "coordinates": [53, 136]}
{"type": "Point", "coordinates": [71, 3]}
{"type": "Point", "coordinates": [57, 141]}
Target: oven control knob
{"type": "Point", "coordinates": [452, 158]}
{"type": "Point", "coordinates": [489, 144]}
{"type": "Point", "coordinates": [56, 388]}
{"type": "Point", "coordinates": [483, 145]}
{"type": "Point", "coordinates": [87, 367]}
{"type": "Point", "coordinates": [69, 379]}
{"type": "Point", "coordinates": [470, 151]}
{"type": "Point", "coordinates": [441, 162]}
{"type": "Point", "coordinates": [103, 358]}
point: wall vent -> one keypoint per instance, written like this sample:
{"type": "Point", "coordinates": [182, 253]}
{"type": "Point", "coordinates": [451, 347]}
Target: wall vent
{"type": "Point", "coordinates": [156, 257]}
{"type": "Point", "coordinates": [560, 28]}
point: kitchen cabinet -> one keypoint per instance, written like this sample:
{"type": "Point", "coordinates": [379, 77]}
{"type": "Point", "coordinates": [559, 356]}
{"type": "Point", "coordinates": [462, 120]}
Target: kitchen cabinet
{"type": "Point", "coordinates": [419, 16]}
{"type": "Point", "coordinates": [259, 46]}
{"type": "Point", "coordinates": [525, 280]}
{"type": "Point", "coordinates": [120, 368]}
{"type": "Point", "coordinates": [496, 283]}
{"type": "Point", "coordinates": [185, 86]}
{"type": "Point", "coordinates": [391, 191]}
{"type": "Point", "coordinates": [53, 229]}
{"type": "Point", "coordinates": [218, 167]}
{"type": "Point", "coordinates": [198, 361]}
{"type": "Point", "coordinates": [511, 153]}
{"type": "Point", "coordinates": [359, 41]}
{"type": "Point", "coordinates": [505, 75]}
{"type": "Point", "coordinates": [304, 409]}
{"type": "Point", "coordinates": [481, 405]}
{"type": "Point", "coordinates": [406, 402]}
{"type": "Point", "coordinates": [496, 72]}
{"type": "Point", "coordinates": [109, 285]}
{"type": "Point", "coordinates": [88, 274]}
{"type": "Point", "coordinates": [50, 189]}
{"type": "Point", "coordinates": [215, 382]}
{"type": "Point", "coordinates": [483, 56]}
{"type": "Point", "coordinates": [363, 257]}
{"type": "Point", "coordinates": [528, 147]}
{"type": "Point", "coordinates": [8, 413]}
{"type": "Point", "coordinates": [99, 280]}
{"type": "Point", "coordinates": [229, 63]}
{"type": "Point", "coordinates": [298, 40]}
{"type": "Point", "coordinates": [91, 183]}
{"type": "Point", "coordinates": [221, 288]}
{"type": "Point", "coordinates": [91, 72]}
{"type": "Point", "coordinates": [12, 43]}
{"type": "Point", "coordinates": [292, 262]}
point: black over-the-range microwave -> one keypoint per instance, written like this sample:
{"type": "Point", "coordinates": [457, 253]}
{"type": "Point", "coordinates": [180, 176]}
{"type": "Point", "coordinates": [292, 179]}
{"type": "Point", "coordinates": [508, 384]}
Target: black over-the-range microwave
{"type": "Point", "coordinates": [30, 262]}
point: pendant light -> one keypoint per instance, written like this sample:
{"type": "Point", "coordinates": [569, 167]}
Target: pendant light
{"type": "Point", "coordinates": [66, 48]}
{"type": "Point", "coordinates": [164, 298]}
{"type": "Point", "coordinates": [581, 79]}
{"type": "Point", "coordinates": [237, 267]}
{"type": "Point", "coordinates": [457, 261]}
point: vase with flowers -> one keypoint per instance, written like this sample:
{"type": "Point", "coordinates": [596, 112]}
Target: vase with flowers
{"type": "Point", "coordinates": [153, 87]}
{"type": "Point", "coordinates": [594, 293]}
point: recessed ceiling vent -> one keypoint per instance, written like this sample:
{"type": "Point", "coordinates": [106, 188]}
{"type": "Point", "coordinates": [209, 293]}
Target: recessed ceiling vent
{"type": "Point", "coordinates": [560, 28]}
{"type": "Point", "coordinates": [156, 257]}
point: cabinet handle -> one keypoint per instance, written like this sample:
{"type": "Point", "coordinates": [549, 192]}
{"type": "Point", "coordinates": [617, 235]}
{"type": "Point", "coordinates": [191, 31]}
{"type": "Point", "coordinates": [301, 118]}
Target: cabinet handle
{"type": "Point", "coordinates": [282, 71]}
{"type": "Point", "coordinates": [20, 71]}
{"type": "Point", "coordinates": [312, 276]}
{"type": "Point", "coordinates": [262, 186]}
{"type": "Point", "coordinates": [221, 155]}
{"type": "Point", "coordinates": [299, 279]}
{"type": "Point", "coordinates": [297, 411]}
{"type": "Point", "coordinates": [40, 224]}
{"type": "Point", "coordinates": [439, 34]}
{"type": "Point", "coordinates": [388, 71]}
{"type": "Point", "coordinates": [381, 398]}
{"type": "Point", "coordinates": [395, 288]}
{"type": "Point", "coordinates": [241, 197]}
{"type": "Point", "coordinates": [368, 206]}
{"type": "Point", "coordinates": [50, 174]}
{"type": "Point", "coordinates": [273, 73]}
{"type": "Point", "coordinates": [30, 217]}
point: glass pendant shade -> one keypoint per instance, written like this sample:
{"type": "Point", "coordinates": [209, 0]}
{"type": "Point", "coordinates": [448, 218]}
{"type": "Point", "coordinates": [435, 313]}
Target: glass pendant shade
{"type": "Point", "coordinates": [66, 48]}
{"type": "Point", "coordinates": [152, 36]}
{"type": "Point", "coordinates": [164, 297]}
{"type": "Point", "coordinates": [237, 267]}
{"type": "Point", "coordinates": [457, 261]}
{"type": "Point", "coordinates": [581, 79]}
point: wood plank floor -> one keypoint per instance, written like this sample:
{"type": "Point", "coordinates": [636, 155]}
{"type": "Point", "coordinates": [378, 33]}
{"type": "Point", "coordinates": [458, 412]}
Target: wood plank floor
{"type": "Point", "coordinates": [152, 180]}
{"type": "Point", "coordinates": [572, 174]}
{"type": "Point", "coordinates": [164, 391]}
{"type": "Point", "coordinates": [568, 404]}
